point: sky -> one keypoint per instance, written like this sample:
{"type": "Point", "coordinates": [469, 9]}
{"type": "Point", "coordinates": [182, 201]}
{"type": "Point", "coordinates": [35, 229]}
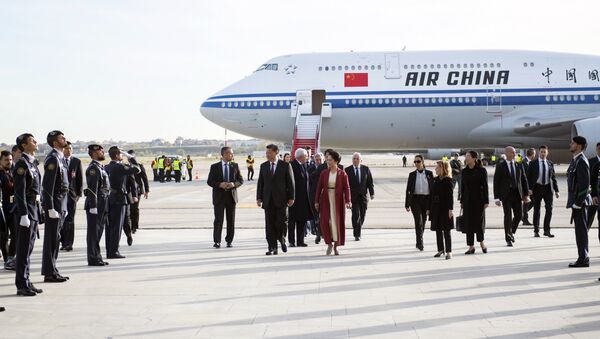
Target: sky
{"type": "Point", "coordinates": [139, 70]}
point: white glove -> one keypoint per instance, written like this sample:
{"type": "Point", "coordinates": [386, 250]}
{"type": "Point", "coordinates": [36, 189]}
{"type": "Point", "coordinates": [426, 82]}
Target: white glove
{"type": "Point", "coordinates": [93, 211]}
{"type": "Point", "coordinates": [127, 155]}
{"type": "Point", "coordinates": [576, 207]}
{"type": "Point", "coordinates": [53, 214]}
{"type": "Point", "coordinates": [24, 221]}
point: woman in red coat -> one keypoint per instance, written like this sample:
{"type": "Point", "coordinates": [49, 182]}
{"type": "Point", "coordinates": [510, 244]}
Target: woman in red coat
{"type": "Point", "coordinates": [332, 195]}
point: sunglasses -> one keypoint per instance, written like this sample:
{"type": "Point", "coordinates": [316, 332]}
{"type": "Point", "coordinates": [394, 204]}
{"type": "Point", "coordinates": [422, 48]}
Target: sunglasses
{"type": "Point", "coordinates": [417, 161]}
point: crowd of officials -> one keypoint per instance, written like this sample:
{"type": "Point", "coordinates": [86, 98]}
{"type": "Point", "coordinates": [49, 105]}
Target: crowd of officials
{"type": "Point", "coordinates": [310, 193]}
{"type": "Point", "coordinates": [30, 199]}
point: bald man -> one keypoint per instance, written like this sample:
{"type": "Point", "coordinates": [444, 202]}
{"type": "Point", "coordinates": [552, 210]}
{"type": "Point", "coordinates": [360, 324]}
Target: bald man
{"type": "Point", "coordinates": [510, 191]}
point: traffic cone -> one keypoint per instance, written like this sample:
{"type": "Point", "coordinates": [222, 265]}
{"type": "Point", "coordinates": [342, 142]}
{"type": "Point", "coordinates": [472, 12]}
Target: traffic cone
{"type": "Point", "coordinates": [197, 176]}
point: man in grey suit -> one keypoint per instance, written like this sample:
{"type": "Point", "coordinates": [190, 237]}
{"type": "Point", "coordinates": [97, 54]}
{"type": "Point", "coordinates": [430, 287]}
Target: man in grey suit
{"type": "Point", "coordinates": [275, 192]}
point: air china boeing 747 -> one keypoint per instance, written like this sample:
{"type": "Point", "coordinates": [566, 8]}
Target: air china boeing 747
{"type": "Point", "coordinates": [416, 100]}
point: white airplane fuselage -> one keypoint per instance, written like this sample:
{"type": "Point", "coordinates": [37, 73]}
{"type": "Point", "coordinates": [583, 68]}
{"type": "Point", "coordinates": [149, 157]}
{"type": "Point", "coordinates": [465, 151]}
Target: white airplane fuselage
{"type": "Point", "coordinates": [414, 100]}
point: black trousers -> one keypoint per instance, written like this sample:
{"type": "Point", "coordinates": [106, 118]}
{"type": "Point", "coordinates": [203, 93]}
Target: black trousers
{"type": "Point", "coordinates": [581, 232]}
{"type": "Point", "coordinates": [359, 210]}
{"type": "Point", "coordinates": [178, 176]}
{"type": "Point", "coordinates": [154, 174]}
{"type": "Point", "coordinates": [526, 207]}
{"type": "Point", "coordinates": [441, 236]}
{"type": "Point", "coordinates": [134, 215]}
{"type": "Point", "coordinates": [116, 218]}
{"type": "Point", "coordinates": [25, 241]}
{"type": "Point", "coordinates": [95, 228]}
{"type": "Point", "coordinates": [471, 237]}
{"type": "Point", "coordinates": [512, 204]}
{"type": "Point", "coordinates": [8, 237]}
{"type": "Point", "coordinates": [161, 175]}
{"type": "Point", "coordinates": [225, 208]}
{"type": "Point", "coordinates": [250, 173]}
{"type": "Point", "coordinates": [275, 225]}
{"type": "Point", "coordinates": [542, 193]}
{"type": "Point", "coordinates": [52, 230]}
{"type": "Point", "coordinates": [127, 221]}
{"type": "Point", "coordinates": [67, 233]}
{"type": "Point", "coordinates": [189, 174]}
{"type": "Point", "coordinates": [296, 231]}
{"type": "Point", "coordinates": [419, 208]}
{"type": "Point", "coordinates": [457, 180]}
{"type": "Point", "coordinates": [591, 213]}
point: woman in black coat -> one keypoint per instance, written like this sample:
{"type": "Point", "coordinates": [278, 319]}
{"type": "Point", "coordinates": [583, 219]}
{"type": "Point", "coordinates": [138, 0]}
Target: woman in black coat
{"type": "Point", "coordinates": [474, 200]}
{"type": "Point", "coordinates": [440, 211]}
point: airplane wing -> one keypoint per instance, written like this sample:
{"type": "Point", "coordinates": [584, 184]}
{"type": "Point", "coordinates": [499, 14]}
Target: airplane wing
{"type": "Point", "coordinates": [546, 123]}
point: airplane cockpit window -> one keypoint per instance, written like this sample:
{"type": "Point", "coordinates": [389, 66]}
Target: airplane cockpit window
{"type": "Point", "coordinates": [268, 67]}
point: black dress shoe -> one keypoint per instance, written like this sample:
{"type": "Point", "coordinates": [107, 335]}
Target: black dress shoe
{"type": "Point", "coordinates": [302, 245]}
{"type": "Point", "coordinates": [269, 253]}
{"type": "Point", "coordinates": [527, 223]}
{"type": "Point", "coordinates": [580, 264]}
{"type": "Point", "coordinates": [470, 251]}
{"type": "Point", "coordinates": [63, 248]}
{"type": "Point", "coordinates": [549, 235]}
{"type": "Point", "coordinates": [512, 237]}
{"type": "Point", "coordinates": [54, 279]}
{"type": "Point", "coordinates": [116, 256]}
{"type": "Point", "coordinates": [98, 263]}
{"type": "Point", "coordinates": [36, 290]}
{"type": "Point", "coordinates": [62, 276]}
{"type": "Point", "coordinates": [509, 244]}
{"type": "Point", "coordinates": [283, 248]}
{"type": "Point", "coordinates": [129, 240]}
{"type": "Point", "coordinates": [2, 309]}
{"type": "Point", "coordinates": [356, 238]}
{"type": "Point", "coordinates": [229, 245]}
{"type": "Point", "coordinates": [217, 245]}
{"type": "Point", "coordinates": [420, 248]}
{"type": "Point", "coordinates": [275, 252]}
{"type": "Point", "coordinates": [317, 240]}
{"type": "Point", "coordinates": [25, 292]}
{"type": "Point", "coordinates": [536, 234]}
{"type": "Point", "coordinates": [292, 245]}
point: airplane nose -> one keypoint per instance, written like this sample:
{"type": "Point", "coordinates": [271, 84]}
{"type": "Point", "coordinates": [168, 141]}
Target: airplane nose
{"type": "Point", "coordinates": [207, 112]}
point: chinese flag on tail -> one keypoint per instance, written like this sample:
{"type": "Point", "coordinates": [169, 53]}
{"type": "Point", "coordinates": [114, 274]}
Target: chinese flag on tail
{"type": "Point", "coordinates": [356, 79]}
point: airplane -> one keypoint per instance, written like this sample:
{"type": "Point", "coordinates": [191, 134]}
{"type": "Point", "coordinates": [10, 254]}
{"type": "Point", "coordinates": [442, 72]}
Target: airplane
{"type": "Point", "coordinates": [439, 100]}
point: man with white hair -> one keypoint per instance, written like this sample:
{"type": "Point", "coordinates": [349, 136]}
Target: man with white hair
{"type": "Point", "coordinates": [511, 189]}
{"type": "Point", "coordinates": [301, 211]}
{"type": "Point", "coordinates": [361, 184]}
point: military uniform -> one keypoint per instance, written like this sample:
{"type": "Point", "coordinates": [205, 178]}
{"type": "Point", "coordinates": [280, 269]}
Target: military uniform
{"type": "Point", "coordinates": [578, 182]}
{"type": "Point", "coordinates": [27, 198]}
{"type": "Point", "coordinates": [117, 201]}
{"type": "Point", "coordinates": [8, 237]}
{"type": "Point", "coordinates": [96, 208]}
{"type": "Point", "coordinates": [55, 187]}
{"type": "Point", "coordinates": [67, 234]}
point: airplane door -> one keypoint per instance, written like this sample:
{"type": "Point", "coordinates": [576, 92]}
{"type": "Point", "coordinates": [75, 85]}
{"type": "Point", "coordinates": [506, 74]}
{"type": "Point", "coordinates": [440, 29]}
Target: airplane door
{"type": "Point", "coordinates": [304, 102]}
{"type": "Point", "coordinates": [392, 66]}
{"type": "Point", "coordinates": [494, 100]}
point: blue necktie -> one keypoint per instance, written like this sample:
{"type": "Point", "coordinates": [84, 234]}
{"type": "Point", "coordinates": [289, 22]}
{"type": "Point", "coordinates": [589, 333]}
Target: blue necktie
{"type": "Point", "coordinates": [543, 173]}
{"type": "Point", "coordinates": [357, 175]}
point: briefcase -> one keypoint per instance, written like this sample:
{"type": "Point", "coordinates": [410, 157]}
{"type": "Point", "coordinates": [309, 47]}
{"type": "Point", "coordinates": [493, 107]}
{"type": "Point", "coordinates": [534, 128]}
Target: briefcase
{"type": "Point", "coordinates": [460, 222]}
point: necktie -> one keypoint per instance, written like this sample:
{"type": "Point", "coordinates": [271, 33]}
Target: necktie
{"type": "Point", "coordinates": [512, 171]}
{"type": "Point", "coordinates": [543, 172]}
{"type": "Point", "coordinates": [272, 168]}
{"type": "Point", "coordinates": [357, 174]}
{"type": "Point", "coordinates": [226, 173]}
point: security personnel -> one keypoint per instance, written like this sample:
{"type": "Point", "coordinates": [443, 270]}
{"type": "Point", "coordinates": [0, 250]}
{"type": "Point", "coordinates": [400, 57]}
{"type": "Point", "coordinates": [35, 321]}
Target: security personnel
{"type": "Point", "coordinates": [75, 174]}
{"type": "Point", "coordinates": [154, 166]}
{"type": "Point", "coordinates": [177, 169]}
{"type": "Point", "coordinates": [250, 166]}
{"type": "Point", "coordinates": [168, 168]}
{"type": "Point", "coordinates": [55, 187]}
{"type": "Point", "coordinates": [27, 199]}
{"type": "Point", "coordinates": [578, 183]}
{"type": "Point", "coordinates": [161, 169]}
{"type": "Point", "coordinates": [96, 204]}
{"type": "Point", "coordinates": [190, 165]}
{"type": "Point", "coordinates": [117, 199]}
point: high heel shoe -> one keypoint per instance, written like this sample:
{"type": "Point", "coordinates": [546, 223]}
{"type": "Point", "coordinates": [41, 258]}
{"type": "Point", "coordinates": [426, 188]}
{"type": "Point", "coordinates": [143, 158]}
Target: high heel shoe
{"type": "Point", "coordinates": [470, 251]}
{"type": "Point", "coordinates": [329, 249]}
{"type": "Point", "coordinates": [438, 254]}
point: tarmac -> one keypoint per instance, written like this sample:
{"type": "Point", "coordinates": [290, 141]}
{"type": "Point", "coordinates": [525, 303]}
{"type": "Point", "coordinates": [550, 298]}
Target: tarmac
{"type": "Point", "coordinates": [174, 284]}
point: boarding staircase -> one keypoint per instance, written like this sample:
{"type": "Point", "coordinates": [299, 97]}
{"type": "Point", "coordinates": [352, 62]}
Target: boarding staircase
{"type": "Point", "coordinates": [307, 132]}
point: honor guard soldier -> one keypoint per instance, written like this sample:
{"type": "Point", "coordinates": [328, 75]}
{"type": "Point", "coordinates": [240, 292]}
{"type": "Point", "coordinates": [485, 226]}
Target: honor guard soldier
{"type": "Point", "coordinates": [578, 183]}
{"type": "Point", "coordinates": [55, 187]}
{"type": "Point", "coordinates": [27, 199]}
{"type": "Point", "coordinates": [118, 173]}
{"type": "Point", "coordinates": [96, 204]}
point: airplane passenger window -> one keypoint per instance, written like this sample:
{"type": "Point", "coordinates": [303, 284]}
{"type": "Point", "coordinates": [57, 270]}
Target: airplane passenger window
{"type": "Point", "coordinates": [582, 97]}
{"type": "Point", "coordinates": [491, 64]}
{"type": "Point", "coordinates": [425, 66]}
{"type": "Point", "coordinates": [439, 66]}
{"type": "Point", "coordinates": [353, 67]}
{"type": "Point", "coordinates": [222, 104]}
{"type": "Point", "coordinates": [268, 103]}
{"type": "Point", "coordinates": [366, 67]}
{"type": "Point", "coordinates": [457, 65]}
{"type": "Point", "coordinates": [531, 64]}
{"type": "Point", "coordinates": [432, 66]}
{"type": "Point", "coordinates": [484, 65]}
{"type": "Point", "coordinates": [339, 68]}
{"type": "Point", "coordinates": [262, 103]}
{"type": "Point", "coordinates": [372, 67]}
{"type": "Point", "coordinates": [547, 98]}
{"type": "Point", "coordinates": [465, 66]}
{"type": "Point", "coordinates": [235, 104]}
{"type": "Point", "coordinates": [418, 66]}
{"type": "Point", "coordinates": [379, 67]}
{"type": "Point", "coordinates": [242, 104]}
{"type": "Point", "coordinates": [405, 66]}
{"type": "Point", "coordinates": [473, 100]}
{"type": "Point", "coordinates": [413, 100]}
{"type": "Point", "coordinates": [353, 101]}
{"type": "Point", "coordinates": [320, 68]}
{"type": "Point", "coordinates": [387, 101]}
{"type": "Point", "coordinates": [568, 98]}
{"type": "Point", "coordinates": [255, 104]}
{"type": "Point", "coordinates": [575, 98]}
{"type": "Point", "coordinates": [359, 67]}
{"type": "Point", "coordinates": [426, 100]}
{"type": "Point", "coordinates": [412, 66]}
{"type": "Point", "coordinates": [280, 102]}
{"type": "Point", "coordinates": [524, 64]}
{"type": "Point", "coordinates": [451, 65]}
{"type": "Point", "coordinates": [498, 65]}
{"type": "Point", "coordinates": [478, 65]}
{"type": "Point", "coordinates": [347, 101]}
{"type": "Point", "coordinates": [596, 97]}
{"type": "Point", "coordinates": [346, 67]}
{"type": "Point", "coordinates": [460, 100]}
{"type": "Point", "coordinates": [326, 68]}
{"type": "Point", "coordinates": [360, 101]}
{"type": "Point", "coordinates": [420, 100]}
{"type": "Point", "coordinates": [472, 66]}
{"type": "Point", "coordinates": [288, 103]}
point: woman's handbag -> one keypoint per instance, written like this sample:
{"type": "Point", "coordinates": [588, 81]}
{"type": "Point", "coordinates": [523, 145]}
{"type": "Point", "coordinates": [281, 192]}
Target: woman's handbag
{"type": "Point", "coordinates": [460, 222]}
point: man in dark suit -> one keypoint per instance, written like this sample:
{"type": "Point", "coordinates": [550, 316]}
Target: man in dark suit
{"type": "Point", "coordinates": [542, 186]}
{"type": "Point", "coordinates": [275, 192]}
{"type": "Point", "coordinates": [75, 173]}
{"type": "Point", "coordinates": [418, 190]}
{"type": "Point", "coordinates": [143, 189]}
{"type": "Point", "coordinates": [314, 171]}
{"type": "Point", "coordinates": [529, 157]}
{"type": "Point", "coordinates": [361, 188]}
{"type": "Point", "coordinates": [594, 170]}
{"type": "Point", "coordinates": [578, 183]}
{"type": "Point", "coordinates": [55, 188]}
{"type": "Point", "coordinates": [224, 178]}
{"type": "Point", "coordinates": [300, 212]}
{"type": "Point", "coordinates": [510, 191]}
